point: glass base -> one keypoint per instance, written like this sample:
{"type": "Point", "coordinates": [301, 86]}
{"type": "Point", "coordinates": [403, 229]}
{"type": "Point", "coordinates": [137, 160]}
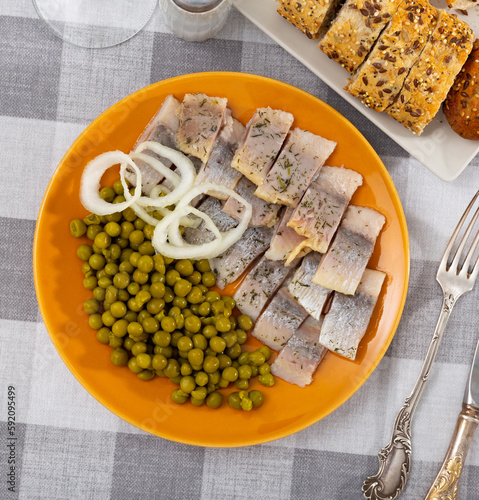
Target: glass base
{"type": "Point", "coordinates": [95, 23]}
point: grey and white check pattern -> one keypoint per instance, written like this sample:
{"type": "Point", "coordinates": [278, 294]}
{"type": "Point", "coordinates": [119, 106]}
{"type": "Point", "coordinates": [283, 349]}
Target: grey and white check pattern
{"type": "Point", "coordinates": [71, 447]}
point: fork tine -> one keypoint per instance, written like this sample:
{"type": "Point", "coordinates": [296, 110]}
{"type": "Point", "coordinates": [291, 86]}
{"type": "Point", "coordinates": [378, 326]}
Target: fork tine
{"type": "Point", "coordinates": [470, 253]}
{"type": "Point", "coordinates": [447, 252]}
{"type": "Point", "coordinates": [462, 244]}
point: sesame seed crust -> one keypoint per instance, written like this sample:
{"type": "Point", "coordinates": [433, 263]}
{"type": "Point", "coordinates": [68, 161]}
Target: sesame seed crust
{"type": "Point", "coordinates": [355, 29]}
{"type": "Point", "coordinates": [431, 77]}
{"type": "Point", "coordinates": [379, 80]}
{"type": "Point", "coordinates": [310, 16]}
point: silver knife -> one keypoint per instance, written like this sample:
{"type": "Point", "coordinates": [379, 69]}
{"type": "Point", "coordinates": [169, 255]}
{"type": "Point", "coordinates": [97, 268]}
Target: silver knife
{"type": "Point", "coordinates": [446, 484]}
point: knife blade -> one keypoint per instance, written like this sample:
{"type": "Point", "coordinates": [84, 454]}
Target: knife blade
{"type": "Point", "coordinates": [446, 484]}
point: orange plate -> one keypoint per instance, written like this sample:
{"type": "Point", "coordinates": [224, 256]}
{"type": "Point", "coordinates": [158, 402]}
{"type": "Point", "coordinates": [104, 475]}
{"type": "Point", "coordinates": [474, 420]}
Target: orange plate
{"type": "Point", "coordinates": [147, 405]}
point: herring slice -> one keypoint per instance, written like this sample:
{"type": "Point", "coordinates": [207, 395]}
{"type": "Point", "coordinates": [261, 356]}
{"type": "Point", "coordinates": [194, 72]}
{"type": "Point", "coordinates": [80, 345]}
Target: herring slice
{"type": "Point", "coordinates": [259, 285]}
{"type": "Point", "coordinates": [302, 156]}
{"type": "Point", "coordinates": [200, 119]}
{"type": "Point", "coordinates": [311, 296]}
{"type": "Point", "coordinates": [266, 132]}
{"type": "Point", "coordinates": [264, 213]}
{"type": "Point", "coordinates": [217, 169]}
{"type": "Point", "coordinates": [319, 212]}
{"type": "Point", "coordinates": [347, 321]}
{"type": "Point", "coordinates": [300, 357]}
{"type": "Point", "coordinates": [285, 239]}
{"type": "Point", "coordinates": [230, 265]}
{"type": "Point", "coordinates": [162, 128]}
{"type": "Point", "coordinates": [344, 263]}
{"type": "Point", "coordinates": [281, 318]}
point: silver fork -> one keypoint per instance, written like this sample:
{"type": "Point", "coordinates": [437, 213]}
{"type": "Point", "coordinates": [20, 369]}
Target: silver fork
{"type": "Point", "coordinates": [456, 278]}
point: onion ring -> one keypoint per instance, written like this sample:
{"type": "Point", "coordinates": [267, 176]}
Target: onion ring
{"type": "Point", "coordinates": [90, 183]}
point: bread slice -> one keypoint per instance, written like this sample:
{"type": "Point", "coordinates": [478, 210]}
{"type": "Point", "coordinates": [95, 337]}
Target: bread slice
{"type": "Point", "coordinates": [353, 32]}
{"type": "Point", "coordinates": [430, 79]}
{"type": "Point", "coordinates": [312, 17]}
{"type": "Point", "coordinates": [380, 78]}
{"type": "Point", "coordinates": [461, 4]}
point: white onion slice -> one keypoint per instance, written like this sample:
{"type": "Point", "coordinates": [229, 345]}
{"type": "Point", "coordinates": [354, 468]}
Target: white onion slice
{"type": "Point", "coordinates": [168, 228]}
{"type": "Point", "coordinates": [181, 162]}
{"type": "Point", "coordinates": [90, 183]}
{"type": "Point", "coordinates": [158, 190]}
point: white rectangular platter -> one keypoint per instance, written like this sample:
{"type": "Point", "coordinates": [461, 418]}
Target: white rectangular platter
{"type": "Point", "coordinates": [439, 149]}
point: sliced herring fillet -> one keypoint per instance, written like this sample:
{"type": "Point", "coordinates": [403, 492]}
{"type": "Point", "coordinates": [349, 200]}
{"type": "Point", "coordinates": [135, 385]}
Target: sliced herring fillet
{"type": "Point", "coordinates": [311, 296]}
{"type": "Point", "coordinates": [379, 80]}
{"type": "Point", "coordinates": [300, 357]}
{"type": "Point", "coordinates": [347, 321]}
{"type": "Point", "coordinates": [319, 212]}
{"type": "Point", "coordinates": [200, 119]}
{"type": "Point", "coordinates": [312, 17]}
{"type": "Point", "coordinates": [230, 265]}
{"type": "Point", "coordinates": [211, 207]}
{"type": "Point", "coordinates": [281, 318]}
{"type": "Point", "coordinates": [285, 239]}
{"type": "Point", "coordinates": [266, 132]}
{"type": "Point", "coordinates": [264, 213]}
{"type": "Point", "coordinates": [300, 159]}
{"type": "Point", "coordinates": [344, 263]}
{"type": "Point", "coordinates": [259, 285]}
{"type": "Point", "coordinates": [217, 169]}
{"type": "Point", "coordinates": [354, 30]}
{"type": "Point", "coordinates": [430, 79]}
{"type": "Point", "coordinates": [162, 128]}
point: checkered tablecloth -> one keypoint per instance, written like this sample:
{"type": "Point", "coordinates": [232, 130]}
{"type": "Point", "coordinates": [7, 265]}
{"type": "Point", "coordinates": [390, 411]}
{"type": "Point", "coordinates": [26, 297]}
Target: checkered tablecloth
{"type": "Point", "coordinates": [69, 446]}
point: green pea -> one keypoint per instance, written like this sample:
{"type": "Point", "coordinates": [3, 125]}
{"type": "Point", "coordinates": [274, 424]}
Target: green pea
{"type": "Point", "coordinates": [108, 318]}
{"type": "Point", "coordinates": [217, 344]}
{"type": "Point", "coordinates": [102, 240]}
{"type": "Point", "coordinates": [234, 400]}
{"type": "Point", "coordinates": [199, 393]}
{"type": "Point", "coordinates": [195, 296]}
{"type": "Point", "coordinates": [77, 228]}
{"type": "Point", "coordinates": [179, 397]}
{"type": "Point", "coordinates": [128, 343]}
{"type": "Point", "coordinates": [169, 295]}
{"type": "Point", "coordinates": [129, 214]}
{"type": "Point", "coordinates": [209, 331]}
{"type": "Point", "coordinates": [115, 217]}
{"type": "Point", "coordinates": [264, 369]}
{"type": "Point", "coordinates": [266, 351]}
{"type": "Point", "coordinates": [114, 341]}
{"type": "Point", "coordinates": [243, 358]}
{"type": "Point", "coordinates": [192, 324]}
{"type": "Point", "coordinates": [139, 224]}
{"type": "Point", "coordinates": [155, 306]}
{"type": "Point", "coordinates": [223, 383]}
{"type": "Point", "coordinates": [97, 262]}
{"type": "Point", "coordinates": [182, 288]}
{"type": "Point", "coordinates": [119, 357]}
{"type": "Point", "coordinates": [233, 352]}
{"type": "Point", "coordinates": [230, 374]}
{"type": "Point", "coordinates": [204, 309]}
{"type": "Point", "coordinates": [146, 375]}
{"type": "Point", "coordinates": [143, 360]}
{"type": "Point", "coordinates": [93, 230]}
{"type": "Point", "coordinates": [91, 306]}
{"type": "Point", "coordinates": [229, 301]}
{"type": "Point", "coordinates": [214, 400]}
{"type": "Point", "coordinates": [217, 307]}
{"type": "Point", "coordinates": [186, 369]}
{"type": "Point", "coordinates": [241, 336]}
{"type": "Point", "coordinates": [103, 335]}
{"type": "Point", "coordinates": [95, 321]}
{"type": "Point", "coordinates": [210, 363]}
{"type": "Point", "coordinates": [230, 338]}
{"type": "Point", "coordinates": [208, 279]}
{"type": "Point", "coordinates": [212, 297]}
{"type": "Point", "coordinates": [194, 278]}
{"type": "Point", "coordinates": [202, 378]}
{"type": "Point", "coordinates": [267, 380]}
{"type": "Point", "coordinates": [159, 362]}
{"type": "Point", "coordinates": [133, 288]}
{"type": "Point", "coordinates": [187, 384]}
{"type": "Point", "coordinates": [185, 344]}
{"type": "Point", "coordinates": [145, 263]}
{"type": "Point", "coordinates": [184, 267]}
{"type": "Point", "coordinates": [245, 372]}
{"type": "Point", "coordinates": [133, 366]}
{"type": "Point", "coordinates": [203, 265]}
{"type": "Point", "coordinates": [225, 361]}
{"type": "Point", "coordinates": [256, 398]}
{"type": "Point", "coordinates": [244, 322]}
{"type": "Point", "coordinates": [195, 356]}
{"type": "Point", "coordinates": [256, 358]}
{"type": "Point", "coordinates": [118, 187]}
{"type": "Point", "coordinates": [166, 351]}
{"type": "Point", "coordinates": [146, 248]}
{"type": "Point", "coordinates": [173, 368]}
{"type": "Point", "coordinates": [140, 277]}
{"type": "Point", "coordinates": [107, 193]}
{"type": "Point", "coordinates": [197, 402]}
{"type": "Point", "coordinates": [119, 328]}
{"type": "Point", "coordinates": [242, 384]}
{"type": "Point", "coordinates": [180, 302]}
{"type": "Point", "coordinates": [84, 252]}
{"type": "Point", "coordinates": [136, 237]}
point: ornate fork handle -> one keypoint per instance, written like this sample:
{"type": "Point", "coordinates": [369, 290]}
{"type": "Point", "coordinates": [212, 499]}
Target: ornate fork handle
{"type": "Point", "coordinates": [446, 483]}
{"type": "Point", "coordinates": [395, 457]}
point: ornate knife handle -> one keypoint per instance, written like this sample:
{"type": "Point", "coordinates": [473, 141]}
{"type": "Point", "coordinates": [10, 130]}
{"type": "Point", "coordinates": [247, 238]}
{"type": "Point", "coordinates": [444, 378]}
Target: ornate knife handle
{"type": "Point", "coordinates": [395, 458]}
{"type": "Point", "coordinates": [446, 483]}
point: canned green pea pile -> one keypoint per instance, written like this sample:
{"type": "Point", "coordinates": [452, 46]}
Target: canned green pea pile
{"type": "Point", "coordinates": [160, 315]}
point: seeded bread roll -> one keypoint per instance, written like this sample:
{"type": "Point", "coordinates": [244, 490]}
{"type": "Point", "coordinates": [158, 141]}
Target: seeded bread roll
{"type": "Point", "coordinates": [355, 29]}
{"type": "Point", "coordinates": [380, 78]}
{"type": "Point", "coordinates": [312, 17]}
{"type": "Point", "coordinates": [431, 77]}
{"type": "Point", "coordinates": [461, 107]}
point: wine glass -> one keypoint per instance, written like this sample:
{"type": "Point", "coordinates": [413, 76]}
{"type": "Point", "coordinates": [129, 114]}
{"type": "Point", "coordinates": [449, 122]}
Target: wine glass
{"type": "Point", "coordinates": [95, 23]}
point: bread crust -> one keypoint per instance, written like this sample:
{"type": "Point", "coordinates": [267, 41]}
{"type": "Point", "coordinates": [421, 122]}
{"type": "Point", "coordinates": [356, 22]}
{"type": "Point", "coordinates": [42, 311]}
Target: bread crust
{"type": "Point", "coordinates": [461, 107]}
{"type": "Point", "coordinates": [379, 80]}
{"type": "Point", "coordinates": [430, 79]}
{"type": "Point", "coordinates": [353, 32]}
